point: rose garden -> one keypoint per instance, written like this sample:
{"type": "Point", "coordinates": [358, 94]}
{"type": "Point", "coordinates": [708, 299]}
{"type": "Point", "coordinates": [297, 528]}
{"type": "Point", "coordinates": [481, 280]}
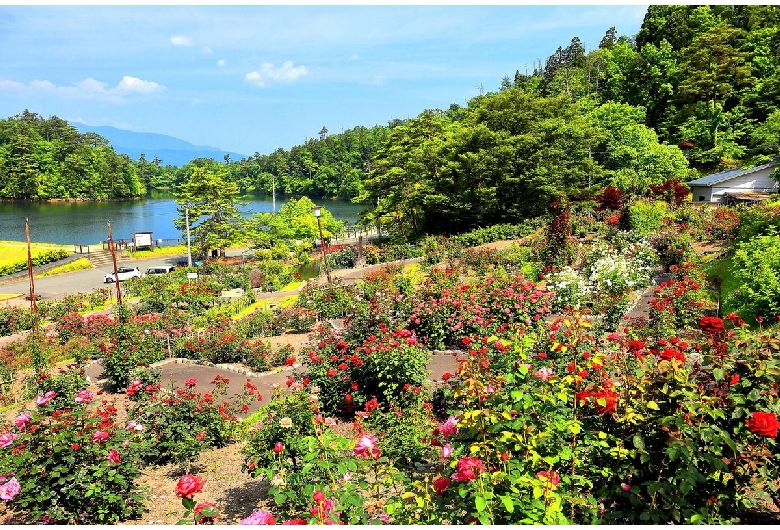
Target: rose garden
{"type": "Point", "coordinates": [563, 409]}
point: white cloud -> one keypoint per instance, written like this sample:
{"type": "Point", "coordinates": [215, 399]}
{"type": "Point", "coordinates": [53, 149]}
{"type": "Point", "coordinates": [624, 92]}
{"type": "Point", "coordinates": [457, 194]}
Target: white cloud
{"type": "Point", "coordinates": [130, 84]}
{"type": "Point", "coordinates": [87, 89]}
{"type": "Point", "coordinates": [89, 85]}
{"type": "Point", "coordinates": [181, 40]}
{"type": "Point", "coordinates": [10, 85]}
{"type": "Point", "coordinates": [287, 73]}
{"type": "Point", "coordinates": [221, 62]}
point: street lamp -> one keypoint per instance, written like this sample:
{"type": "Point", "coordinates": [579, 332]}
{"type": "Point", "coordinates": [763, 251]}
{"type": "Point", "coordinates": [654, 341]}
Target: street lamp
{"type": "Point", "coordinates": [317, 213]}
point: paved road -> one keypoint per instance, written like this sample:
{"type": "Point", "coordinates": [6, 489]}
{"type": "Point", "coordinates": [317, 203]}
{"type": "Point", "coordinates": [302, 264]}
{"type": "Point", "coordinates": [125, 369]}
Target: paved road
{"type": "Point", "coordinates": [53, 287]}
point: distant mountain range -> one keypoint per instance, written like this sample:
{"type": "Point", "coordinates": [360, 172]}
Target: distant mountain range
{"type": "Point", "coordinates": [172, 151]}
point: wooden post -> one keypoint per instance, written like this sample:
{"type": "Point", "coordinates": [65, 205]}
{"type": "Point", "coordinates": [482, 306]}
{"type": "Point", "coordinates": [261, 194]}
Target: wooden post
{"type": "Point", "coordinates": [116, 272]}
{"type": "Point", "coordinates": [33, 305]}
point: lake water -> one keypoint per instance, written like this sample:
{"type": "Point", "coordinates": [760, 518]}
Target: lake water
{"type": "Point", "coordinates": [85, 223]}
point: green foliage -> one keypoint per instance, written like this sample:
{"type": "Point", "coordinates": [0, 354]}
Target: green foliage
{"type": "Point", "coordinates": [210, 201]}
{"type": "Point", "coordinates": [757, 270]}
{"type": "Point", "coordinates": [646, 217]}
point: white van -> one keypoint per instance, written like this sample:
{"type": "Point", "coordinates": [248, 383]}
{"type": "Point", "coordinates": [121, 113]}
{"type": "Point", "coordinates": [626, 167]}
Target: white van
{"type": "Point", "coordinates": [159, 269]}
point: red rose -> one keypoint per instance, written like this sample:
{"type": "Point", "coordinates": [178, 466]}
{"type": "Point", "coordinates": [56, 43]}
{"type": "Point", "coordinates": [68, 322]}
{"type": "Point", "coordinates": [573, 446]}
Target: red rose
{"type": "Point", "coordinates": [445, 376]}
{"type": "Point", "coordinates": [763, 424]}
{"type": "Point", "coordinates": [711, 325]}
{"type": "Point", "coordinates": [189, 485]}
{"type": "Point", "coordinates": [440, 484]}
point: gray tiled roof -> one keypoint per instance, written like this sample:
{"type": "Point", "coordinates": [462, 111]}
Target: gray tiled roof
{"type": "Point", "coordinates": [717, 178]}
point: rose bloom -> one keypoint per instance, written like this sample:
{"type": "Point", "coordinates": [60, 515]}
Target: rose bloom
{"type": "Point", "coordinates": [467, 469]}
{"type": "Point", "coordinates": [100, 436]}
{"type": "Point", "coordinates": [440, 484]}
{"type": "Point", "coordinates": [191, 382]}
{"type": "Point", "coordinates": [286, 423]}
{"type": "Point", "coordinates": [445, 376]}
{"type": "Point", "coordinates": [114, 457]}
{"type": "Point", "coordinates": [189, 485]}
{"type": "Point", "coordinates": [763, 424]}
{"type": "Point", "coordinates": [545, 374]}
{"type": "Point", "coordinates": [10, 489]}
{"type": "Point", "coordinates": [450, 426]}
{"type": "Point", "coordinates": [7, 439]}
{"type": "Point", "coordinates": [22, 420]}
{"type": "Point", "coordinates": [297, 520]}
{"type": "Point", "coordinates": [711, 325]}
{"type": "Point", "coordinates": [278, 447]}
{"type": "Point", "coordinates": [670, 353]}
{"type": "Point", "coordinates": [259, 517]}
{"type": "Point", "coordinates": [366, 447]}
{"type": "Point", "coordinates": [44, 399]}
{"type": "Point", "coordinates": [83, 396]}
{"type": "Point", "coordinates": [446, 451]}
{"type": "Point", "coordinates": [549, 476]}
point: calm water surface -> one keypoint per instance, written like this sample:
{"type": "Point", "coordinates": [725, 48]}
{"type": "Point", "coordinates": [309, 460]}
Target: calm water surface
{"type": "Point", "coordinates": [85, 223]}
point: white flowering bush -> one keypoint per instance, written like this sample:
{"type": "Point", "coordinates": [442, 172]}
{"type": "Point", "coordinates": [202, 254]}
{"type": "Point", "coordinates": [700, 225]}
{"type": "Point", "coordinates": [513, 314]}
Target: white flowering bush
{"type": "Point", "coordinates": [569, 287]}
{"type": "Point", "coordinates": [612, 272]}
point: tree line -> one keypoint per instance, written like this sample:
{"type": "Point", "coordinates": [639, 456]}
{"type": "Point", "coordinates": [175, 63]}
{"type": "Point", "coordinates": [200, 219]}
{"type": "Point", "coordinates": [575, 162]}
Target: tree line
{"type": "Point", "coordinates": [696, 90]}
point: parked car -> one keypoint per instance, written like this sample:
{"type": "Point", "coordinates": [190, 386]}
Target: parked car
{"type": "Point", "coordinates": [124, 273]}
{"type": "Point", "coordinates": [159, 269]}
{"type": "Point", "coordinates": [183, 263]}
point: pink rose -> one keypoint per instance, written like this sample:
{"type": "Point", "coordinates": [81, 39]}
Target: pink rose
{"type": "Point", "coordinates": [7, 439]}
{"type": "Point", "coordinates": [189, 485]}
{"type": "Point", "coordinates": [114, 457]}
{"type": "Point", "coordinates": [44, 399]}
{"type": "Point", "coordinates": [468, 467]}
{"type": "Point", "coordinates": [259, 517]}
{"type": "Point", "coordinates": [450, 426]}
{"type": "Point", "coordinates": [10, 489]}
{"type": "Point", "coordinates": [446, 451]}
{"type": "Point", "coordinates": [100, 436]}
{"type": "Point", "coordinates": [22, 421]}
{"type": "Point", "coordinates": [544, 374]}
{"type": "Point", "coordinates": [366, 447]}
{"type": "Point", "coordinates": [84, 396]}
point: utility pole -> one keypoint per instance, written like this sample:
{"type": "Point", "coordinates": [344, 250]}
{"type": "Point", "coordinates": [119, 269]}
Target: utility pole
{"type": "Point", "coordinates": [33, 306]}
{"type": "Point", "coordinates": [317, 212]}
{"type": "Point", "coordinates": [116, 272]}
{"type": "Point", "coordinates": [189, 250]}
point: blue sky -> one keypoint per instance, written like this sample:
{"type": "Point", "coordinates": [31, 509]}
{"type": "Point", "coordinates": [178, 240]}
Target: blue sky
{"type": "Point", "coordinates": [254, 78]}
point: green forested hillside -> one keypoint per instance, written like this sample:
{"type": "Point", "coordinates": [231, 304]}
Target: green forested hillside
{"type": "Point", "coordinates": [45, 158]}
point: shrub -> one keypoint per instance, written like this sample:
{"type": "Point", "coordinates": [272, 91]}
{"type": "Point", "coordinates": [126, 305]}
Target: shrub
{"type": "Point", "coordinates": [757, 269]}
{"type": "Point", "coordinates": [178, 423]}
{"type": "Point", "coordinates": [384, 366]}
{"type": "Point", "coordinates": [71, 465]}
{"type": "Point", "coordinates": [646, 217]}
